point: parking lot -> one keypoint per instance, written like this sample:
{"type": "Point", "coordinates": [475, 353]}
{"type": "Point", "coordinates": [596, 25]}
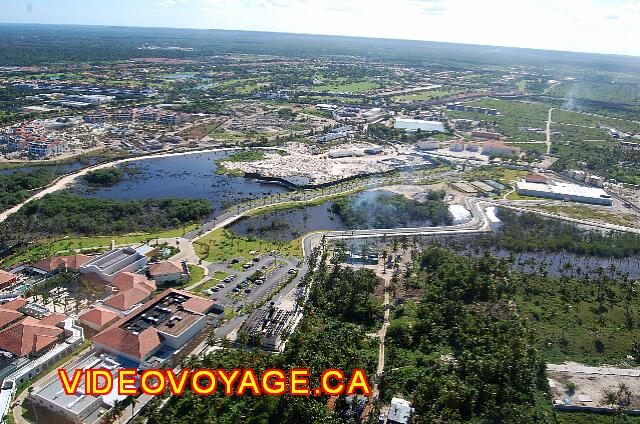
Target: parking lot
{"type": "Point", "coordinates": [245, 288]}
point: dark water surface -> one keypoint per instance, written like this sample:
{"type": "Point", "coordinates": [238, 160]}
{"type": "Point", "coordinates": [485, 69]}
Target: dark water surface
{"type": "Point", "coordinates": [182, 176]}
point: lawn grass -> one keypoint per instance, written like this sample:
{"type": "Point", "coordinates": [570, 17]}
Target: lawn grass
{"type": "Point", "coordinates": [45, 248]}
{"type": "Point", "coordinates": [196, 274]}
{"type": "Point", "coordinates": [496, 173]}
{"type": "Point", "coordinates": [515, 196]}
{"type": "Point", "coordinates": [223, 244]}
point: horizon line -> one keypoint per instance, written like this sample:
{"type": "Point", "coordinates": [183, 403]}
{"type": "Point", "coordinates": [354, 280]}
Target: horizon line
{"type": "Point", "coordinates": [324, 35]}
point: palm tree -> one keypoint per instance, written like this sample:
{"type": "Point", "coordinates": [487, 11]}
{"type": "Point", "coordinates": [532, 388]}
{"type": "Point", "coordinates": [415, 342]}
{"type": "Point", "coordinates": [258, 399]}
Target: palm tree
{"type": "Point", "coordinates": [385, 254]}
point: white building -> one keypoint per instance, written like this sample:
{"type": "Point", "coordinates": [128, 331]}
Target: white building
{"type": "Point", "coordinates": [418, 124]}
{"type": "Point", "coordinates": [108, 264]}
{"type": "Point", "coordinates": [399, 412]}
{"type": "Point", "coordinates": [79, 406]}
{"type": "Point", "coordinates": [565, 191]}
{"type": "Point", "coordinates": [428, 145]}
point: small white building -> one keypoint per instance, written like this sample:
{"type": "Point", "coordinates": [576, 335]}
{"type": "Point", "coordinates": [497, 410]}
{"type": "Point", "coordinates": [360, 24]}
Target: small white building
{"type": "Point", "coordinates": [413, 125]}
{"type": "Point", "coordinates": [400, 411]}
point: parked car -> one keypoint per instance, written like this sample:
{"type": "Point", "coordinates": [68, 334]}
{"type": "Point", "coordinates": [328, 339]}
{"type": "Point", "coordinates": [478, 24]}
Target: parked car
{"type": "Point", "coordinates": [292, 271]}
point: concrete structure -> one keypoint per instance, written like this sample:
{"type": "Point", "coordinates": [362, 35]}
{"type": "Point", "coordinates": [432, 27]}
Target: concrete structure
{"type": "Point", "coordinates": [23, 335]}
{"type": "Point", "coordinates": [418, 124]}
{"type": "Point", "coordinates": [107, 265]}
{"type": "Point", "coordinates": [428, 145]}
{"type": "Point", "coordinates": [325, 138]}
{"type": "Point", "coordinates": [594, 180]}
{"type": "Point", "coordinates": [155, 331]}
{"type": "Point", "coordinates": [400, 411]}
{"type": "Point", "coordinates": [46, 149]}
{"type": "Point", "coordinates": [80, 407]}
{"type": "Point", "coordinates": [476, 109]}
{"type": "Point", "coordinates": [336, 154]}
{"type": "Point", "coordinates": [269, 326]}
{"type": "Point", "coordinates": [565, 191]}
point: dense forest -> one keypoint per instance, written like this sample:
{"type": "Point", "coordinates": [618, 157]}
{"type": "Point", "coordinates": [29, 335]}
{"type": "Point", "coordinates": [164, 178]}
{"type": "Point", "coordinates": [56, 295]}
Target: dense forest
{"type": "Point", "coordinates": [462, 353]}
{"type": "Point", "coordinates": [528, 231]}
{"type": "Point", "coordinates": [104, 177]}
{"type": "Point", "coordinates": [389, 210]}
{"type": "Point", "coordinates": [28, 44]}
{"type": "Point", "coordinates": [14, 188]}
{"type": "Point", "coordinates": [67, 214]}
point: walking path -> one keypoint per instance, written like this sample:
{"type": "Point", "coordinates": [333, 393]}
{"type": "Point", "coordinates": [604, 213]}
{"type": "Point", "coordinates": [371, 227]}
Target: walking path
{"type": "Point", "coordinates": [549, 131]}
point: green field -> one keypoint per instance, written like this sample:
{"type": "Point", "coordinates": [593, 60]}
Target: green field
{"type": "Point", "coordinates": [568, 117]}
{"type": "Point", "coordinates": [341, 85]}
{"type": "Point", "coordinates": [591, 213]}
{"type": "Point", "coordinates": [46, 248]}
{"type": "Point", "coordinates": [424, 95]}
{"type": "Point", "coordinates": [601, 91]}
{"type": "Point", "coordinates": [222, 244]}
{"type": "Point", "coordinates": [515, 116]}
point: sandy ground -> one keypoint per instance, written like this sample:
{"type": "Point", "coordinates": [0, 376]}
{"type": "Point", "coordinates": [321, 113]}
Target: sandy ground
{"type": "Point", "coordinates": [591, 384]}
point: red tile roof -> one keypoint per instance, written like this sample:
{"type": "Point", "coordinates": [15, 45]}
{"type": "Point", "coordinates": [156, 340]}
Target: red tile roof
{"type": "Point", "coordinates": [53, 319]}
{"type": "Point", "coordinates": [6, 278]}
{"type": "Point", "coordinates": [72, 262]}
{"type": "Point", "coordinates": [118, 339]}
{"type": "Point", "coordinates": [128, 280]}
{"type": "Point", "coordinates": [8, 316]}
{"type": "Point", "coordinates": [28, 336]}
{"type": "Point", "coordinates": [135, 345]}
{"type": "Point", "coordinates": [123, 301]}
{"type": "Point", "coordinates": [164, 268]}
{"type": "Point", "coordinates": [99, 315]}
{"type": "Point", "coordinates": [15, 304]}
{"type": "Point", "coordinates": [535, 178]}
{"type": "Point", "coordinates": [198, 304]}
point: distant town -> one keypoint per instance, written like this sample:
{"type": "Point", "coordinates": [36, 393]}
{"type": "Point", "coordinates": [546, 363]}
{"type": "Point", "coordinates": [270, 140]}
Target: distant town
{"type": "Point", "coordinates": [465, 233]}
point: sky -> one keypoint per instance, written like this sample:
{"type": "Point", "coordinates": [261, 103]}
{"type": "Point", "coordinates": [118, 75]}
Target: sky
{"type": "Point", "coordinates": [595, 26]}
